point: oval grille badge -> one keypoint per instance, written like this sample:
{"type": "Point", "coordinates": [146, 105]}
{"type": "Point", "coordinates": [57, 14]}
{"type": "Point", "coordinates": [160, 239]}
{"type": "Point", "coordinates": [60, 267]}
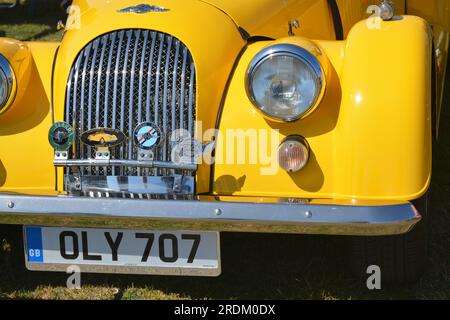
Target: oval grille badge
{"type": "Point", "coordinates": [61, 136]}
{"type": "Point", "coordinates": [147, 136]}
{"type": "Point", "coordinates": [103, 137]}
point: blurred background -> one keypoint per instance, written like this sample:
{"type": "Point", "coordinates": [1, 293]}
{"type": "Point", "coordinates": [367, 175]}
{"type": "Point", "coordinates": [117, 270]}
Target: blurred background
{"type": "Point", "coordinates": [32, 19]}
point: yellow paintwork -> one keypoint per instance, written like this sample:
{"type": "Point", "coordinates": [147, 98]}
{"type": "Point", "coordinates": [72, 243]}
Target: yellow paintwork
{"type": "Point", "coordinates": [370, 137]}
{"type": "Point", "coordinates": [353, 11]}
{"type": "Point", "coordinates": [270, 18]}
{"type": "Point", "coordinates": [25, 154]}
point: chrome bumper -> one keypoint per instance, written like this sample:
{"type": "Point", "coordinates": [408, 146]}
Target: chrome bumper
{"type": "Point", "coordinates": [208, 215]}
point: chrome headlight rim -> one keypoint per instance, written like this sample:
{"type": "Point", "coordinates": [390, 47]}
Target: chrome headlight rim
{"type": "Point", "coordinates": [291, 50]}
{"type": "Point", "coordinates": [8, 73]}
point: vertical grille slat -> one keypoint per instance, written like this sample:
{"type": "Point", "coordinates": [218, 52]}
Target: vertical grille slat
{"type": "Point", "coordinates": [183, 81]}
{"type": "Point", "coordinates": [108, 77]}
{"type": "Point", "coordinates": [173, 124]}
{"type": "Point", "coordinates": [131, 113]}
{"type": "Point", "coordinates": [99, 80]}
{"type": "Point", "coordinates": [124, 78]}
{"type": "Point", "coordinates": [124, 91]}
{"type": "Point", "coordinates": [150, 75]}
{"type": "Point", "coordinates": [191, 101]}
{"type": "Point", "coordinates": [157, 87]}
{"type": "Point", "coordinates": [141, 75]}
{"type": "Point", "coordinates": [165, 97]}
{"type": "Point", "coordinates": [82, 100]}
{"type": "Point", "coordinates": [93, 62]}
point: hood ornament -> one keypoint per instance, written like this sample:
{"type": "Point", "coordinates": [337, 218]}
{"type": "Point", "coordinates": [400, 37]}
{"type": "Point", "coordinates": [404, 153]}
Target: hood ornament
{"type": "Point", "coordinates": [143, 8]}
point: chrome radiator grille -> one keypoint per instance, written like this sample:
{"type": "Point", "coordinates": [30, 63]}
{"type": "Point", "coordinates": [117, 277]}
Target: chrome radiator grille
{"type": "Point", "coordinates": [127, 77]}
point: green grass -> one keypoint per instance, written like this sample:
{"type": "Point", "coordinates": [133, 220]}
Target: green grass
{"type": "Point", "coordinates": [254, 266]}
{"type": "Point", "coordinates": [16, 24]}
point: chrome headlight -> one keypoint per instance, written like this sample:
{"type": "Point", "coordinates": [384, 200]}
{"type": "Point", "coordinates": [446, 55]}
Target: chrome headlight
{"type": "Point", "coordinates": [6, 83]}
{"type": "Point", "coordinates": [285, 82]}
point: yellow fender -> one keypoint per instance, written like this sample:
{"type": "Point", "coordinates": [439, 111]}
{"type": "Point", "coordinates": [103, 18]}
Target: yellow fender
{"type": "Point", "coordinates": [371, 136]}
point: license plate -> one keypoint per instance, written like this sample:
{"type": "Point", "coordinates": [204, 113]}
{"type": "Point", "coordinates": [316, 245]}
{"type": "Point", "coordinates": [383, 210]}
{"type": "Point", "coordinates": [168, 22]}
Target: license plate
{"type": "Point", "coordinates": [123, 251]}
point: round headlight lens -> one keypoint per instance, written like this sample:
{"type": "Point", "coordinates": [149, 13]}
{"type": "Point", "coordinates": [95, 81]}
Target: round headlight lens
{"type": "Point", "coordinates": [6, 83]}
{"type": "Point", "coordinates": [285, 82]}
{"type": "Point", "coordinates": [3, 88]}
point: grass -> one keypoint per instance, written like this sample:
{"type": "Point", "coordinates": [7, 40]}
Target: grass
{"type": "Point", "coordinates": [254, 266]}
{"type": "Point", "coordinates": [17, 24]}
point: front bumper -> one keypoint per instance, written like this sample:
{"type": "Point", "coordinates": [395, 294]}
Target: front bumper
{"type": "Point", "coordinates": [197, 215]}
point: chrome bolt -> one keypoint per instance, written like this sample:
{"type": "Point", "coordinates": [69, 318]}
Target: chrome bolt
{"type": "Point", "coordinates": [10, 205]}
{"type": "Point", "coordinates": [58, 154]}
{"type": "Point", "coordinates": [217, 212]}
{"type": "Point", "coordinates": [308, 214]}
{"type": "Point", "coordinates": [387, 10]}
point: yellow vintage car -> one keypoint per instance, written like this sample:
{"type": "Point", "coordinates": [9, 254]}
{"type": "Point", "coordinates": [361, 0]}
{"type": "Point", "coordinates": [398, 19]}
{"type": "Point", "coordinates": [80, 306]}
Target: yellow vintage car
{"type": "Point", "coordinates": [155, 126]}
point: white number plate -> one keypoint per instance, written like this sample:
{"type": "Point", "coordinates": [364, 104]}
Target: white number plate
{"type": "Point", "coordinates": [123, 251]}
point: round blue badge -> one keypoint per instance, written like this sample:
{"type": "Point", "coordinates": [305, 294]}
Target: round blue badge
{"type": "Point", "coordinates": [147, 136]}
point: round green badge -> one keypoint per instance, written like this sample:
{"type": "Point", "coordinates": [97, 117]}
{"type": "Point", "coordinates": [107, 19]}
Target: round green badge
{"type": "Point", "coordinates": [61, 136]}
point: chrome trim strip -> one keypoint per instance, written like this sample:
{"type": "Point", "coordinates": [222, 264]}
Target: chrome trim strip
{"type": "Point", "coordinates": [131, 102]}
{"type": "Point", "coordinates": [108, 75]}
{"type": "Point", "coordinates": [130, 185]}
{"type": "Point", "coordinates": [125, 163]}
{"type": "Point", "coordinates": [8, 72]}
{"type": "Point", "coordinates": [141, 75]}
{"type": "Point", "coordinates": [105, 39]}
{"type": "Point", "coordinates": [122, 101]}
{"type": "Point", "coordinates": [91, 81]}
{"type": "Point", "coordinates": [174, 95]}
{"type": "Point", "coordinates": [141, 78]}
{"type": "Point", "coordinates": [208, 215]}
{"type": "Point", "coordinates": [74, 106]}
{"type": "Point", "coordinates": [149, 77]}
{"type": "Point", "coordinates": [190, 105]}
{"type": "Point", "coordinates": [165, 93]}
{"type": "Point", "coordinates": [158, 75]}
{"type": "Point", "coordinates": [69, 93]}
{"type": "Point", "coordinates": [183, 81]}
{"type": "Point", "coordinates": [116, 80]}
{"type": "Point", "coordinates": [86, 55]}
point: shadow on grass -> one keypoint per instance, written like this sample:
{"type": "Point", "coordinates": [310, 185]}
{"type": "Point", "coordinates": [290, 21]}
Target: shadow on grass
{"type": "Point", "coordinates": [254, 267]}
